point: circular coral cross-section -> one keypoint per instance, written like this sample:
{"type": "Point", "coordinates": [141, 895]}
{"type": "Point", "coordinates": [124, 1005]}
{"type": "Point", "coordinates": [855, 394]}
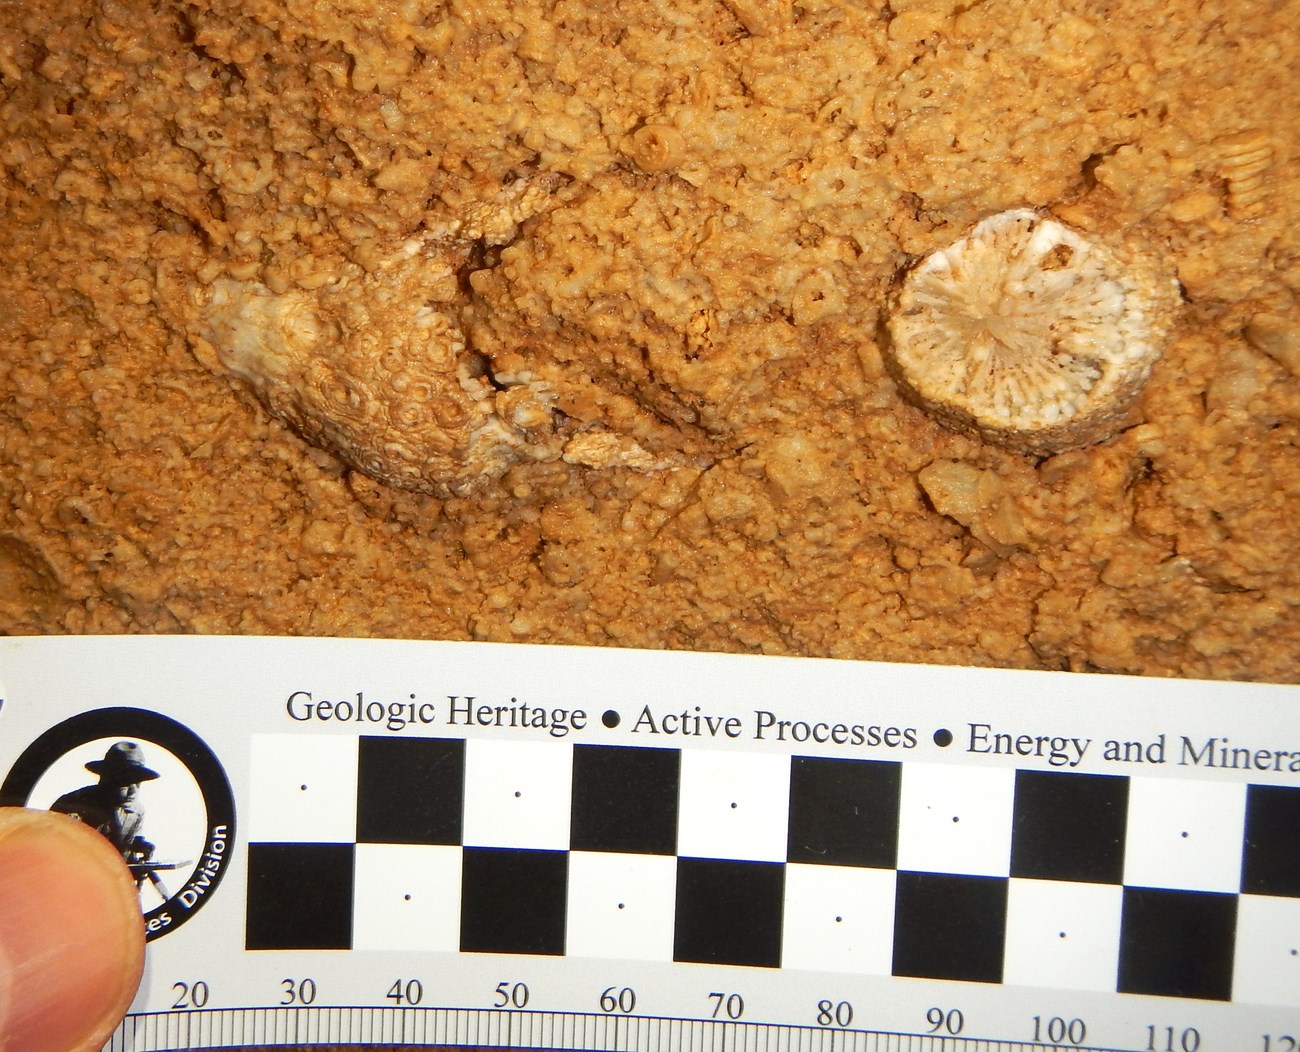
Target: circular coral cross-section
{"type": "Point", "coordinates": [1029, 335]}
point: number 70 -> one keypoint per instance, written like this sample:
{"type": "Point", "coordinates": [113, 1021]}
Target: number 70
{"type": "Point", "coordinates": [730, 1005]}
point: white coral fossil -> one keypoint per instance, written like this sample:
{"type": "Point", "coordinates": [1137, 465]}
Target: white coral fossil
{"type": "Point", "coordinates": [371, 371]}
{"type": "Point", "coordinates": [375, 368]}
{"type": "Point", "coordinates": [1028, 335]}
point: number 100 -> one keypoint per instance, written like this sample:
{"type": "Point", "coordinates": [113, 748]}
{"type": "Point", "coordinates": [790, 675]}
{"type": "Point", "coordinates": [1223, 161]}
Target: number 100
{"type": "Point", "coordinates": [1058, 1031]}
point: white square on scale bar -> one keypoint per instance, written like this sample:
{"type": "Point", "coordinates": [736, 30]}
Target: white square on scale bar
{"type": "Point", "coordinates": [1184, 835]}
{"type": "Point", "coordinates": [1062, 936]}
{"type": "Point", "coordinates": [518, 794]}
{"type": "Point", "coordinates": [838, 919]}
{"type": "Point", "coordinates": [956, 820]}
{"type": "Point", "coordinates": [1266, 966]}
{"type": "Point", "coordinates": [406, 897]}
{"type": "Point", "coordinates": [303, 789]}
{"type": "Point", "coordinates": [621, 906]}
{"type": "Point", "coordinates": [734, 806]}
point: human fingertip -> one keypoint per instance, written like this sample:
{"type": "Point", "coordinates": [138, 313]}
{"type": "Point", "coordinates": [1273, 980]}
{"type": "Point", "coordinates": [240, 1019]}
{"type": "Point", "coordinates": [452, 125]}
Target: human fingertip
{"type": "Point", "coordinates": [71, 934]}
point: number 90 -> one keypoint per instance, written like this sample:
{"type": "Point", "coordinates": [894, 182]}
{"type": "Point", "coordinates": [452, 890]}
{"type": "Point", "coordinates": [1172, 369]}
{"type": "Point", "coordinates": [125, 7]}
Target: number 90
{"type": "Point", "coordinates": [949, 1022]}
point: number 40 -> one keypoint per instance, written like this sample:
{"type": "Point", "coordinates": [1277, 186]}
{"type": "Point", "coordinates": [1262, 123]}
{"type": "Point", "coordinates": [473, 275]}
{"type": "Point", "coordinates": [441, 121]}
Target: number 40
{"type": "Point", "coordinates": [410, 992]}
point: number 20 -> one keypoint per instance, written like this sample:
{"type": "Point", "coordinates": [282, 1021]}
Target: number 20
{"type": "Point", "coordinates": [190, 995]}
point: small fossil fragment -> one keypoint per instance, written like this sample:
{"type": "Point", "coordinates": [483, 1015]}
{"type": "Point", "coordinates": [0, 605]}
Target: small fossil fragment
{"type": "Point", "coordinates": [1278, 336]}
{"type": "Point", "coordinates": [1244, 160]}
{"type": "Point", "coordinates": [656, 147]}
{"type": "Point", "coordinates": [1028, 335]}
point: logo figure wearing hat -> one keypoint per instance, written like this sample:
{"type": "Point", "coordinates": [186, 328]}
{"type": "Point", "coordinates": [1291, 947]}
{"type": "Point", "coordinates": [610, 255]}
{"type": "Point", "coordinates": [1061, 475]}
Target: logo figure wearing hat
{"type": "Point", "coordinates": [188, 803]}
{"type": "Point", "coordinates": [111, 808]}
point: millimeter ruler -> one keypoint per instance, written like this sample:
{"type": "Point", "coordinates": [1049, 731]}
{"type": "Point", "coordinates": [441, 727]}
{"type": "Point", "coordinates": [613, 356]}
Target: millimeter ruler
{"type": "Point", "coordinates": [383, 842]}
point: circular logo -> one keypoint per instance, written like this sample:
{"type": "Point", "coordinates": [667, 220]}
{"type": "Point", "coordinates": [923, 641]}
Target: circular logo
{"type": "Point", "coordinates": [152, 788]}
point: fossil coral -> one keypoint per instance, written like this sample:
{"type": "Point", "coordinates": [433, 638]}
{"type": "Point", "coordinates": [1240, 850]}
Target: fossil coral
{"type": "Point", "coordinates": [367, 369]}
{"type": "Point", "coordinates": [1027, 334]}
{"type": "Point", "coordinates": [374, 365]}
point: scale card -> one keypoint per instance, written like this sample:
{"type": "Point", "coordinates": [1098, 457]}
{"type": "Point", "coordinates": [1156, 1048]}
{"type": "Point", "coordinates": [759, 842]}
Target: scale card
{"type": "Point", "coordinates": [382, 842]}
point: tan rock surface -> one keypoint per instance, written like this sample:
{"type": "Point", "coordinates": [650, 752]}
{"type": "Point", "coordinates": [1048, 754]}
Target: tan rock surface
{"type": "Point", "coordinates": [668, 329]}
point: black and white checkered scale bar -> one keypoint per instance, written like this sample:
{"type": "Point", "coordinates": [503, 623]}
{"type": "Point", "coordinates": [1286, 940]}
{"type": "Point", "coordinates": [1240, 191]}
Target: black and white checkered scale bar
{"type": "Point", "coordinates": [1061, 880]}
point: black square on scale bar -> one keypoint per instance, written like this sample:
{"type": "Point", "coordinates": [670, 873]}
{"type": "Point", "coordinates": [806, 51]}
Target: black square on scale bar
{"type": "Point", "coordinates": [1069, 827]}
{"type": "Point", "coordinates": [1271, 856]}
{"type": "Point", "coordinates": [299, 897]}
{"type": "Point", "coordinates": [410, 790]}
{"type": "Point", "coordinates": [1177, 943]}
{"type": "Point", "coordinates": [625, 799]}
{"type": "Point", "coordinates": [729, 912]}
{"type": "Point", "coordinates": [513, 901]}
{"type": "Point", "coordinates": [949, 927]}
{"type": "Point", "coordinates": [844, 812]}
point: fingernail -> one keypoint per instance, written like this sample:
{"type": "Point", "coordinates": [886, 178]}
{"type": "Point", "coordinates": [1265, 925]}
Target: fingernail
{"type": "Point", "coordinates": [71, 936]}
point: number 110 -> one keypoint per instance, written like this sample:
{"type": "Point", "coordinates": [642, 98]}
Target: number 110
{"type": "Point", "coordinates": [1167, 1040]}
